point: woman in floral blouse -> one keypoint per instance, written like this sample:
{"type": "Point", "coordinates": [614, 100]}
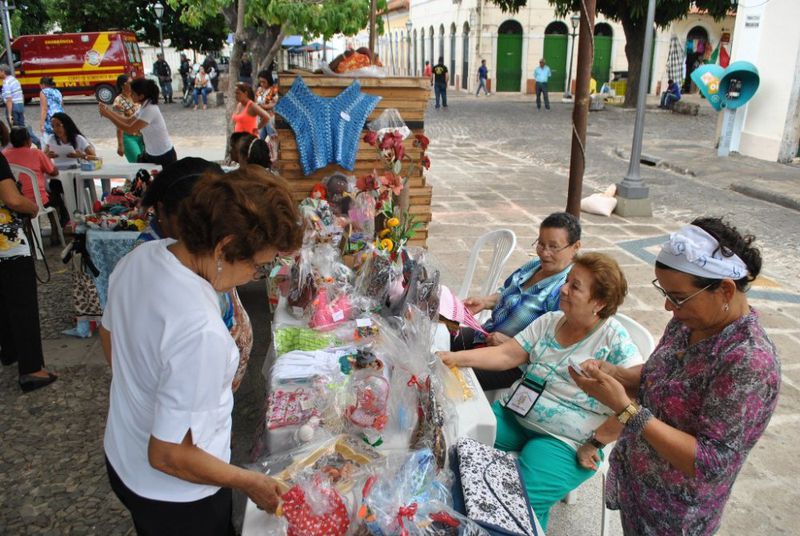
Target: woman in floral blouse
{"type": "Point", "coordinates": [128, 145]}
{"type": "Point", "coordinates": [705, 396]}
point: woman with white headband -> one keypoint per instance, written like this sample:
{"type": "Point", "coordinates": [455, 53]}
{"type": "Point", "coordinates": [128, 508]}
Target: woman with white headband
{"type": "Point", "coordinates": [688, 417]}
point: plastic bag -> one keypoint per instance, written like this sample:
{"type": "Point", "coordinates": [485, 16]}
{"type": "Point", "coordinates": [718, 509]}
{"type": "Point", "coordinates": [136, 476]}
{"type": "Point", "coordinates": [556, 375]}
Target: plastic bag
{"type": "Point", "coordinates": [373, 71]}
{"type": "Point", "coordinates": [314, 506]}
{"type": "Point", "coordinates": [389, 121]}
{"type": "Point", "coordinates": [377, 276]}
{"type": "Point", "coordinates": [409, 497]}
{"type": "Point", "coordinates": [340, 190]}
{"type": "Point", "coordinates": [601, 203]}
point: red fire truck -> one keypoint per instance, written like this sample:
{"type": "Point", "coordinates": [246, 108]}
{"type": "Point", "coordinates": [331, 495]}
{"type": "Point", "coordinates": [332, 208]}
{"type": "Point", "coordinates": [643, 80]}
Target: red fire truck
{"type": "Point", "coordinates": [80, 63]}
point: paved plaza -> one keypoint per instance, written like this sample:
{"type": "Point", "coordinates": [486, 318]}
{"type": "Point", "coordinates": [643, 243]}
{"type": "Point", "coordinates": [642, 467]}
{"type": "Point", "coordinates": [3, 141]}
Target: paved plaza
{"type": "Point", "coordinates": [496, 163]}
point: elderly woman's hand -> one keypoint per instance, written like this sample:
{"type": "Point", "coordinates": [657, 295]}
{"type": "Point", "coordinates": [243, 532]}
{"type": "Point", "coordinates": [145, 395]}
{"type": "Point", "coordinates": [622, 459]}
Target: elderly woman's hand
{"type": "Point", "coordinates": [451, 359]}
{"type": "Point", "coordinates": [601, 386]}
{"type": "Point", "coordinates": [496, 338]}
{"type": "Point", "coordinates": [265, 492]}
{"type": "Point", "coordinates": [476, 304]}
{"type": "Point", "coordinates": [588, 458]}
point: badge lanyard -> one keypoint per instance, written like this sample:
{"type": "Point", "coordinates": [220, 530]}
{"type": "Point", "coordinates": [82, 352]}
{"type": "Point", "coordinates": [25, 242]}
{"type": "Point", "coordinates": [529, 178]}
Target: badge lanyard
{"type": "Point", "coordinates": [532, 386]}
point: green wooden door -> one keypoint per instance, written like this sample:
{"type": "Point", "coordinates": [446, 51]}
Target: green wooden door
{"type": "Point", "coordinates": [509, 62]}
{"type": "Point", "coordinates": [555, 54]}
{"type": "Point", "coordinates": [602, 59]}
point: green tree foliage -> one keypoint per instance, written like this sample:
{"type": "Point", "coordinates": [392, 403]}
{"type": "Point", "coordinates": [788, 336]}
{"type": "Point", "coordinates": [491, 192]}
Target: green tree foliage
{"type": "Point", "coordinates": [139, 16]}
{"type": "Point", "coordinates": [30, 17]}
{"type": "Point", "coordinates": [631, 14]}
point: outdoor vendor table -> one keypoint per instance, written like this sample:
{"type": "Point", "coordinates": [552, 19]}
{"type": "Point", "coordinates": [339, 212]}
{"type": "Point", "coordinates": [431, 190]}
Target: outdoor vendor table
{"type": "Point", "coordinates": [74, 180]}
{"type": "Point", "coordinates": [474, 417]}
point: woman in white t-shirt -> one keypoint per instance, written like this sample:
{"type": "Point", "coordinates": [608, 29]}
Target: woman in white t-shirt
{"type": "Point", "coordinates": [167, 439]}
{"type": "Point", "coordinates": [545, 415]}
{"type": "Point", "coordinates": [66, 145]}
{"type": "Point", "coordinates": [158, 148]}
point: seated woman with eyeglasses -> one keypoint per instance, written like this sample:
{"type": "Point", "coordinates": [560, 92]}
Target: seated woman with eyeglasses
{"type": "Point", "coordinates": [545, 416]}
{"type": "Point", "coordinates": [705, 396]}
{"type": "Point", "coordinates": [528, 293]}
{"type": "Point", "coordinates": [168, 434]}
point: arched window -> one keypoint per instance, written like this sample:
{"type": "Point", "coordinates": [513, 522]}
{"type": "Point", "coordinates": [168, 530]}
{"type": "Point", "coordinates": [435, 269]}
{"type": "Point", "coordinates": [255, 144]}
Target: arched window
{"type": "Point", "coordinates": [604, 29]}
{"type": "Point", "coordinates": [453, 54]}
{"type": "Point", "coordinates": [603, 41]}
{"type": "Point", "coordinates": [465, 57]}
{"type": "Point", "coordinates": [555, 54]}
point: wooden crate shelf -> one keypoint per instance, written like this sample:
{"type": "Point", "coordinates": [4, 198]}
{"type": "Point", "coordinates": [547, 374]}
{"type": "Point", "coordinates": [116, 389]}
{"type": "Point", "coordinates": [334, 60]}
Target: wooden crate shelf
{"type": "Point", "coordinates": [409, 95]}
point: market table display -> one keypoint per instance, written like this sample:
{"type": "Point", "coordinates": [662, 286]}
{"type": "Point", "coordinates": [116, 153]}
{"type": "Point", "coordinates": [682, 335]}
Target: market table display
{"type": "Point", "coordinates": [360, 418]}
{"type": "Point", "coordinates": [74, 181]}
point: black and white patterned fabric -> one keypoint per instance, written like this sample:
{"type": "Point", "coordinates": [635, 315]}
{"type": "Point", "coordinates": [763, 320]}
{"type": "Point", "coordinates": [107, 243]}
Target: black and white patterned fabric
{"type": "Point", "coordinates": [493, 490]}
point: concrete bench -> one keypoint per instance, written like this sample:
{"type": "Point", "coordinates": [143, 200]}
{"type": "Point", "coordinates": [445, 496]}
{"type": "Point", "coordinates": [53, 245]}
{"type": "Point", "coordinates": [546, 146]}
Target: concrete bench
{"type": "Point", "coordinates": [685, 108]}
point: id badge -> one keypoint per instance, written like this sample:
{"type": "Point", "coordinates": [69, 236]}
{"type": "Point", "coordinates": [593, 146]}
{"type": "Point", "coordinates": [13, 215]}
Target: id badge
{"type": "Point", "coordinates": [526, 395]}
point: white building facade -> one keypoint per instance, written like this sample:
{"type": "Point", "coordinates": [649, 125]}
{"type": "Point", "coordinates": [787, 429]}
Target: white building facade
{"type": "Point", "coordinates": [466, 31]}
{"type": "Point", "coordinates": [767, 35]}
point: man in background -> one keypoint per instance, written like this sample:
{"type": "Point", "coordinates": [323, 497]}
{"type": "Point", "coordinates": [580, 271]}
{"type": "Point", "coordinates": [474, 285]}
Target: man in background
{"type": "Point", "coordinates": [439, 81]}
{"type": "Point", "coordinates": [162, 70]}
{"type": "Point", "coordinates": [483, 75]}
{"type": "Point", "coordinates": [542, 75]}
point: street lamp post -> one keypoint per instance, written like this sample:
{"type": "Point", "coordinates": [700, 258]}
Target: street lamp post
{"type": "Point", "coordinates": [409, 25]}
{"type": "Point", "coordinates": [632, 193]}
{"type": "Point", "coordinates": [159, 9]}
{"type": "Point", "coordinates": [574, 20]}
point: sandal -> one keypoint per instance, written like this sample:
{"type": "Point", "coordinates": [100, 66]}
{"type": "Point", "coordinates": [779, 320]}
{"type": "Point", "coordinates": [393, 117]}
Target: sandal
{"type": "Point", "coordinates": [29, 382]}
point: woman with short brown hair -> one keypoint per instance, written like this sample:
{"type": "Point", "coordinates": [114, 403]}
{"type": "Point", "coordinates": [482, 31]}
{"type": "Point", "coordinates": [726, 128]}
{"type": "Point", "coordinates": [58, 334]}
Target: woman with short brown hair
{"type": "Point", "coordinates": [167, 440]}
{"type": "Point", "coordinates": [545, 416]}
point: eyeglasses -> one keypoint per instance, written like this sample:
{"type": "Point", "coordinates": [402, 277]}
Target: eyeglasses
{"type": "Point", "coordinates": [552, 250]}
{"type": "Point", "coordinates": [675, 301]}
{"type": "Point", "coordinates": [262, 271]}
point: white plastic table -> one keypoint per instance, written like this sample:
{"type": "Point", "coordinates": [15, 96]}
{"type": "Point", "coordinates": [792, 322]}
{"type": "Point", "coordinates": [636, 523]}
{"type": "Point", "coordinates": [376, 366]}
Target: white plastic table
{"type": "Point", "coordinates": [74, 180]}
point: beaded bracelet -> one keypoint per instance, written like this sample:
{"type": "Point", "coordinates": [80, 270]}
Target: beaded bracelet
{"type": "Point", "coordinates": [637, 423]}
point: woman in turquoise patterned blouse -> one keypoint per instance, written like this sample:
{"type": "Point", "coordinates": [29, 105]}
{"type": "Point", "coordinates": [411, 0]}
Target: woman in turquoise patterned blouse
{"type": "Point", "coordinates": [50, 102]}
{"type": "Point", "coordinates": [705, 396]}
{"type": "Point", "coordinates": [545, 416]}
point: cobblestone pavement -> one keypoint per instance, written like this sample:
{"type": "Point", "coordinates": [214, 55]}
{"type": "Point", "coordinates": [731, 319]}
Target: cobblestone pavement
{"type": "Point", "coordinates": [496, 163]}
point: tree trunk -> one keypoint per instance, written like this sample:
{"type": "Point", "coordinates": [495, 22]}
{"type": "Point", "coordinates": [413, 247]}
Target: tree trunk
{"type": "Point", "coordinates": [233, 71]}
{"type": "Point", "coordinates": [634, 48]}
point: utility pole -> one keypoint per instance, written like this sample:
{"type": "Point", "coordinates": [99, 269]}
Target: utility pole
{"type": "Point", "coordinates": [7, 33]}
{"type": "Point", "coordinates": [372, 12]}
{"type": "Point", "coordinates": [580, 110]}
{"type": "Point", "coordinates": [632, 193]}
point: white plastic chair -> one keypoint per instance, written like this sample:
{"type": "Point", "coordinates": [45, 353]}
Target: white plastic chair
{"type": "Point", "coordinates": [502, 242]}
{"type": "Point", "coordinates": [50, 212]}
{"type": "Point", "coordinates": [646, 344]}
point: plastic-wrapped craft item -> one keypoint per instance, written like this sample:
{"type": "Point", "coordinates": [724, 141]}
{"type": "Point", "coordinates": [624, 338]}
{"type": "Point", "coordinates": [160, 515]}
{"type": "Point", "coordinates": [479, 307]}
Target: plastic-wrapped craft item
{"type": "Point", "coordinates": [314, 506]}
{"type": "Point", "coordinates": [340, 190]}
{"type": "Point", "coordinates": [377, 275]}
{"type": "Point", "coordinates": [394, 498]}
{"type": "Point", "coordinates": [290, 338]}
{"type": "Point", "coordinates": [329, 309]}
{"type": "Point", "coordinates": [367, 71]}
{"type": "Point", "coordinates": [319, 218]}
{"type": "Point", "coordinates": [390, 120]}
{"type": "Point", "coordinates": [303, 286]}
{"type": "Point", "coordinates": [342, 458]}
{"type": "Point", "coordinates": [362, 217]}
{"type": "Point", "coordinates": [368, 413]}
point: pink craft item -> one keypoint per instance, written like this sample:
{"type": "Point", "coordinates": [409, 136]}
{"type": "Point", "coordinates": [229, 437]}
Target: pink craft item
{"type": "Point", "coordinates": [327, 314]}
{"type": "Point", "coordinates": [304, 522]}
{"type": "Point", "coordinates": [454, 309]}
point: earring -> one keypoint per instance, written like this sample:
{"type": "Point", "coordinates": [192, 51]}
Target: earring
{"type": "Point", "coordinates": [219, 266]}
{"type": "Point", "coordinates": [725, 307]}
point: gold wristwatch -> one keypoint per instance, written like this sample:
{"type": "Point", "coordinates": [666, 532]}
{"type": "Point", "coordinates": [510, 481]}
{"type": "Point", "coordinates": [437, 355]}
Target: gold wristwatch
{"type": "Point", "coordinates": [626, 414]}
